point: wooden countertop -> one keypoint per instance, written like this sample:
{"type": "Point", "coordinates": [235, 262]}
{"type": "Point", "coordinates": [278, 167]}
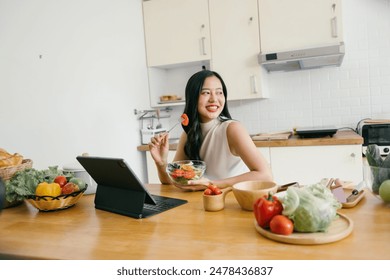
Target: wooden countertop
{"type": "Point", "coordinates": [185, 232]}
{"type": "Point", "coordinates": [342, 137]}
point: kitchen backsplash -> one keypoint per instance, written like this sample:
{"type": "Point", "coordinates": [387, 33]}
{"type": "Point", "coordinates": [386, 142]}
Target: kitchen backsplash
{"type": "Point", "coordinates": [339, 96]}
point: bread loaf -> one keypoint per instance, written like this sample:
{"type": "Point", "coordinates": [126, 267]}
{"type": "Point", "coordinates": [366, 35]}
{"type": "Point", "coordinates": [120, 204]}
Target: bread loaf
{"type": "Point", "coordinates": [172, 97]}
{"type": "Point", "coordinates": [7, 159]}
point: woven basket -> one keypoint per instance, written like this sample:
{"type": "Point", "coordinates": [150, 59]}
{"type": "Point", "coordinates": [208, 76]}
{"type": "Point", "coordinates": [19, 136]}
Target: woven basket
{"type": "Point", "coordinates": [6, 173]}
{"type": "Point", "coordinates": [53, 203]}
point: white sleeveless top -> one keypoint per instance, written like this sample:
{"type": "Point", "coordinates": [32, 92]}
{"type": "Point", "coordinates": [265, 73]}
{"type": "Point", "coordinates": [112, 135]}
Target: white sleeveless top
{"type": "Point", "coordinates": [220, 162]}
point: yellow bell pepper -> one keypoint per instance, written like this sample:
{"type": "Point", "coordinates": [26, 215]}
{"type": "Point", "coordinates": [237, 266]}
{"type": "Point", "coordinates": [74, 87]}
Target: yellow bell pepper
{"type": "Point", "coordinates": [46, 189]}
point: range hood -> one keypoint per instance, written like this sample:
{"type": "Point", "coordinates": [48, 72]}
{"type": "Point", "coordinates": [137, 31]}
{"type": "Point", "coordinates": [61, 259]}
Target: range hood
{"type": "Point", "coordinates": [331, 55]}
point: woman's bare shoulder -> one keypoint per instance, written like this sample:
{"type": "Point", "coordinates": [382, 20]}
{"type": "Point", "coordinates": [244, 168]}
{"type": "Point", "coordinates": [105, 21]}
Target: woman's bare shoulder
{"type": "Point", "coordinates": [237, 133]}
{"type": "Point", "coordinates": [239, 139]}
{"type": "Point", "coordinates": [236, 126]}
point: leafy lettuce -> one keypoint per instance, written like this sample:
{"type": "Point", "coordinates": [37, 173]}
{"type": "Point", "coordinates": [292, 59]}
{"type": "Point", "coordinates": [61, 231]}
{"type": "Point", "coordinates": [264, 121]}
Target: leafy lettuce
{"type": "Point", "coordinates": [312, 208]}
{"type": "Point", "coordinates": [24, 182]}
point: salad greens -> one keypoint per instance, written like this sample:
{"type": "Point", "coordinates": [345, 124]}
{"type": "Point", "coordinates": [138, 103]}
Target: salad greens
{"type": "Point", "coordinates": [312, 208]}
{"type": "Point", "coordinates": [24, 182]}
{"type": "Point", "coordinates": [380, 167]}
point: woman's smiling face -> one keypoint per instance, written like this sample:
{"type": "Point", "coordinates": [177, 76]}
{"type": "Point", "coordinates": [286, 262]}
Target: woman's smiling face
{"type": "Point", "coordinates": [211, 99]}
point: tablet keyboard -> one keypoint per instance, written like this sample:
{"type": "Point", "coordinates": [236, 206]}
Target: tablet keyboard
{"type": "Point", "coordinates": [163, 204]}
{"type": "Point", "coordinates": [159, 207]}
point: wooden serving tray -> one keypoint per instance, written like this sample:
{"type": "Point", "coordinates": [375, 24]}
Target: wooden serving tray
{"type": "Point", "coordinates": [351, 200]}
{"type": "Point", "coordinates": [339, 229]}
{"type": "Point", "coordinates": [355, 199]}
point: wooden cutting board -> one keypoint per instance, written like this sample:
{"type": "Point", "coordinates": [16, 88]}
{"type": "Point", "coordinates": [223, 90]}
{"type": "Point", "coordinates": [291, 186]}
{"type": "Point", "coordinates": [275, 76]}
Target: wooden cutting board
{"type": "Point", "coordinates": [339, 229]}
{"type": "Point", "coordinates": [283, 135]}
{"type": "Point", "coordinates": [353, 199]}
{"type": "Point", "coordinates": [377, 121]}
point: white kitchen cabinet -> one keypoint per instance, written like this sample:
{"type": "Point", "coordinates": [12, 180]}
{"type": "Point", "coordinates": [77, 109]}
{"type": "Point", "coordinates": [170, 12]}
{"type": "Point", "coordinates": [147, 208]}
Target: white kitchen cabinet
{"type": "Point", "coordinates": [183, 36]}
{"type": "Point", "coordinates": [152, 169]}
{"type": "Point", "coordinates": [235, 45]}
{"type": "Point", "coordinates": [176, 31]}
{"type": "Point", "coordinates": [309, 164]}
{"type": "Point", "coordinates": [265, 152]}
{"type": "Point", "coordinates": [170, 81]}
{"type": "Point", "coordinates": [287, 25]}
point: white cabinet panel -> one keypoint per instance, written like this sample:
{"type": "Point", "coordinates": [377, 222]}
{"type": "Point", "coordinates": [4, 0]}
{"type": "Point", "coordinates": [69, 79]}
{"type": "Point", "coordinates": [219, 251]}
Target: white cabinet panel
{"type": "Point", "coordinates": [291, 25]}
{"type": "Point", "coordinates": [309, 164]}
{"type": "Point", "coordinates": [176, 31]}
{"type": "Point", "coordinates": [152, 169]}
{"type": "Point", "coordinates": [265, 152]}
{"type": "Point", "coordinates": [235, 38]}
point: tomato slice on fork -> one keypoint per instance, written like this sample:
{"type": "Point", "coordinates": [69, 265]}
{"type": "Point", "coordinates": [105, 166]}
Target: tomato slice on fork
{"type": "Point", "coordinates": [185, 120]}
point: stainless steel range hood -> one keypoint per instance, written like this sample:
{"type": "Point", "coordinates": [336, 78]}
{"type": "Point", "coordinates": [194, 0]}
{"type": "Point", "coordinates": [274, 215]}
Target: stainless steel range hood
{"type": "Point", "coordinates": [303, 59]}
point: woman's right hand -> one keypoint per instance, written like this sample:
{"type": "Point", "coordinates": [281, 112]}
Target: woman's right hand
{"type": "Point", "coordinates": [159, 148]}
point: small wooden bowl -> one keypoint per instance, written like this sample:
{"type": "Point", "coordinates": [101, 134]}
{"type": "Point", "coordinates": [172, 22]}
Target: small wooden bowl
{"type": "Point", "coordinates": [214, 203]}
{"type": "Point", "coordinates": [248, 192]}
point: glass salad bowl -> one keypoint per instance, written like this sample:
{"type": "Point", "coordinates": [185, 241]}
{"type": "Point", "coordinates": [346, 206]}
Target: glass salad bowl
{"type": "Point", "coordinates": [181, 172]}
{"type": "Point", "coordinates": [377, 180]}
{"type": "Point", "coordinates": [376, 173]}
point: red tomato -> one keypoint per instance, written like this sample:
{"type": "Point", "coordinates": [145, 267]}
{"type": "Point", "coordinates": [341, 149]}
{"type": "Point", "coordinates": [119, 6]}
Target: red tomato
{"type": "Point", "coordinates": [281, 225]}
{"type": "Point", "coordinates": [177, 173]}
{"type": "Point", "coordinates": [217, 191]}
{"type": "Point", "coordinates": [70, 188]}
{"type": "Point", "coordinates": [214, 189]}
{"type": "Point", "coordinates": [208, 191]}
{"type": "Point", "coordinates": [189, 174]}
{"type": "Point", "coordinates": [60, 180]}
{"type": "Point", "coordinates": [185, 120]}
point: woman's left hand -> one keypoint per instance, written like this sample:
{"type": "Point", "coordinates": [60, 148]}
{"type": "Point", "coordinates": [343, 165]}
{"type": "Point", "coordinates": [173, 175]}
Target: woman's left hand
{"type": "Point", "coordinates": [195, 185]}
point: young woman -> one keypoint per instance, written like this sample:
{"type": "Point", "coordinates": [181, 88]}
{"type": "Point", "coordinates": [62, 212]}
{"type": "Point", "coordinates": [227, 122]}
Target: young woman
{"type": "Point", "coordinates": [212, 136]}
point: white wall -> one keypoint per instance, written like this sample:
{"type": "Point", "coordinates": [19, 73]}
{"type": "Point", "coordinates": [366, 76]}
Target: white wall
{"type": "Point", "coordinates": [79, 96]}
{"type": "Point", "coordinates": [71, 74]}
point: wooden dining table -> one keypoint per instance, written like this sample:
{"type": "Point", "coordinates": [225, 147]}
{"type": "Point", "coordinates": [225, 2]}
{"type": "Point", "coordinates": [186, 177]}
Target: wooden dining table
{"type": "Point", "coordinates": [186, 232]}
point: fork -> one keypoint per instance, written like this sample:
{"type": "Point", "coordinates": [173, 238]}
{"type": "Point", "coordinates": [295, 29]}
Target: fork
{"type": "Point", "coordinates": [173, 127]}
{"type": "Point", "coordinates": [181, 119]}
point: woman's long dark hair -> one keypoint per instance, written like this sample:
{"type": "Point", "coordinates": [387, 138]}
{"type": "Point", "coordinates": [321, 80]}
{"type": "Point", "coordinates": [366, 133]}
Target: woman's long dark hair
{"type": "Point", "coordinates": [193, 89]}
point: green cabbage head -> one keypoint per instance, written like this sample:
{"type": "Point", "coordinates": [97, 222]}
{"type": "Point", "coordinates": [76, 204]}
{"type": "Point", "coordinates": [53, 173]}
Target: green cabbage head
{"type": "Point", "coordinates": [312, 208]}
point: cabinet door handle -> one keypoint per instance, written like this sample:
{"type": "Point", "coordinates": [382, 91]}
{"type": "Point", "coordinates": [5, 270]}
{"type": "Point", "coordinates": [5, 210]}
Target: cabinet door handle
{"type": "Point", "coordinates": [203, 40]}
{"type": "Point", "coordinates": [254, 84]}
{"type": "Point", "coordinates": [333, 22]}
{"type": "Point", "coordinates": [353, 155]}
{"type": "Point", "coordinates": [334, 27]}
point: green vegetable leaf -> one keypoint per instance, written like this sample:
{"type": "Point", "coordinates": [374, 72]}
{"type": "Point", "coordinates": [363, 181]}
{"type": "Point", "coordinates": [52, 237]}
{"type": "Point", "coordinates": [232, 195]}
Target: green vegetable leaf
{"type": "Point", "coordinates": [373, 155]}
{"type": "Point", "coordinates": [316, 209]}
{"type": "Point", "coordinates": [380, 168]}
{"type": "Point", "coordinates": [386, 162]}
{"type": "Point", "coordinates": [24, 182]}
